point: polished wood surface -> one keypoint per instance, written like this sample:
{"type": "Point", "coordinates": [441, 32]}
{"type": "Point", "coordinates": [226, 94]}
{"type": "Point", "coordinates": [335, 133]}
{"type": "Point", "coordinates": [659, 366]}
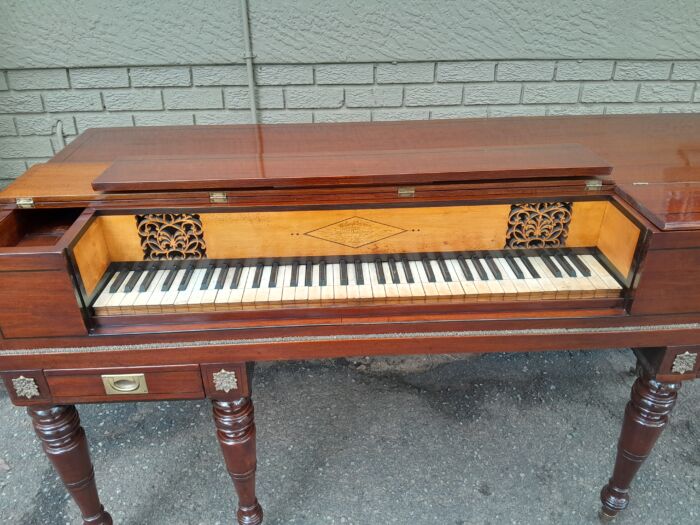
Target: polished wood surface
{"type": "Point", "coordinates": [409, 165]}
{"type": "Point", "coordinates": [646, 416]}
{"type": "Point", "coordinates": [64, 442]}
{"type": "Point", "coordinates": [54, 350]}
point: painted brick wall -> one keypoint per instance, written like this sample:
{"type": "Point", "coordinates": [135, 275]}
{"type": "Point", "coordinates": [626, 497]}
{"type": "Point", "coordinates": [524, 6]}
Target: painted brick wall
{"type": "Point", "coordinates": [33, 100]}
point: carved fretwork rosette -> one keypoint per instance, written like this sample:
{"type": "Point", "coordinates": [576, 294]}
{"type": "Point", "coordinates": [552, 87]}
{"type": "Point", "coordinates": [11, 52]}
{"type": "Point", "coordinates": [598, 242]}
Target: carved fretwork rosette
{"type": "Point", "coordinates": [538, 225]}
{"type": "Point", "coordinates": [167, 236]}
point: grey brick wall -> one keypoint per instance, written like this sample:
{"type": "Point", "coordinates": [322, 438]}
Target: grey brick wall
{"type": "Point", "coordinates": [32, 101]}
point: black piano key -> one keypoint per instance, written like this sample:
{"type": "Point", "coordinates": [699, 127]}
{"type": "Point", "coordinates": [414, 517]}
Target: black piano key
{"type": "Point", "coordinates": [169, 279]}
{"type": "Point", "coordinates": [394, 271]}
{"type": "Point", "coordinates": [258, 275]}
{"type": "Point", "coordinates": [322, 273]}
{"type": "Point", "coordinates": [223, 273]}
{"type": "Point", "coordinates": [381, 278]}
{"type": "Point", "coordinates": [343, 272]}
{"type": "Point", "coordinates": [479, 268]}
{"type": "Point", "coordinates": [407, 270]}
{"type": "Point", "coordinates": [121, 277]}
{"type": "Point", "coordinates": [294, 278]}
{"type": "Point", "coordinates": [359, 276]}
{"type": "Point", "coordinates": [551, 265]}
{"type": "Point", "coordinates": [529, 267]}
{"type": "Point", "coordinates": [514, 267]}
{"type": "Point", "coordinates": [495, 270]}
{"type": "Point", "coordinates": [565, 265]}
{"type": "Point", "coordinates": [465, 268]}
{"type": "Point", "coordinates": [428, 270]}
{"type": "Point", "coordinates": [208, 274]}
{"type": "Point", "coordinates": [309, 274]}
{"type": "Point", "coordinates": [133, 280]}
{"type": "Point", "coordinates": [148, 280]}
{"type": "Point", "coordinates": [237, 276]}
{"type": "Point", "coordinates": [186, 278]}
{"type": "Point", "coordinates": [273, 275]}
{"type": "Point", "coordinates": [444, 270]}
{"type": "Point", "coordinates": [580, 265]}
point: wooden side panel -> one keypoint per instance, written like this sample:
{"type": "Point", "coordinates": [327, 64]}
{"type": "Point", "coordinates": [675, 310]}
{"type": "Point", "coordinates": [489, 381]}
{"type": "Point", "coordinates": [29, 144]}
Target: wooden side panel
{"type": "Point", "coordinates": [121, 237]}
{"type": "Point", "coordinates": [39, 304]}
{"type": "Point", "coordinates": [669, 283]}
{"type": "Point", "coordinates": [92, 256]}
{"type": "Point", "coordinates": [618, 239]}
{"type": "Point", "coordinates": [586, 221]}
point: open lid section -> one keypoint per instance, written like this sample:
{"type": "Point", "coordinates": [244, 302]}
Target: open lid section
{"type": "Point", "coordinates": [397, 166]}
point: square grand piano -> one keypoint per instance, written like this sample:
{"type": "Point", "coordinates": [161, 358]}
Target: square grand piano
{"type": "Point", "coordinates": [162, 263]}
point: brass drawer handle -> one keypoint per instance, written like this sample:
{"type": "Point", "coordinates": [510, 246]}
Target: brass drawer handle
{"type": "Point", "coordinates": [120, 384]}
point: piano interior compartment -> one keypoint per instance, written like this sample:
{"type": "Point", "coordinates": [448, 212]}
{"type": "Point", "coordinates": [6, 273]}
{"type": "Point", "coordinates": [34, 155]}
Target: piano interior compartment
{"type": "Point", "coordinates": [183, 238]}
{"type": "Point", "coordinates": [36, 227]}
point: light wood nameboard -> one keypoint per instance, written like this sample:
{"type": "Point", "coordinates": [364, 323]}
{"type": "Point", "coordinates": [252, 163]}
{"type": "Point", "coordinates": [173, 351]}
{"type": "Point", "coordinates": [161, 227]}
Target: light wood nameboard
{"type": "Point", "coordinates": [376, 230]}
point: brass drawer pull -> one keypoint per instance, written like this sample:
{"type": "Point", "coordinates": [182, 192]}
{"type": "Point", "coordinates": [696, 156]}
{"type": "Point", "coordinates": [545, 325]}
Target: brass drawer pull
{"type": "Point", "coordinates": [120, 384]}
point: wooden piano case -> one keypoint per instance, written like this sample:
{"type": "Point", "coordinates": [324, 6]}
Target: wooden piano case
{"type": "Point", "coordinates": [620, 189]}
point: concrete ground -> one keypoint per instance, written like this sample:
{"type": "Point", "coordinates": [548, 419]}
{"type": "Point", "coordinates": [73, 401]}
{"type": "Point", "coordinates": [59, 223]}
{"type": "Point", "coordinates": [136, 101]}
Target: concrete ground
{"type": "Point", "coordinates": [520, 438]}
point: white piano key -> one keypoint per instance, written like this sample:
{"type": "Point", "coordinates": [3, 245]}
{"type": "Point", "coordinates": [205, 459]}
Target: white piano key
{"type": "Point", "coordinates": [390, 288]}
{"type": "Point", "coordinates": [222, 295]}
{"type": "Point", "coordinates": [194, 301]}
{"type": "Point", "coordinates": [340, 291]}
{"type": "Point", "coordinates": [549, 282]}
{"type": "Point", "coordinates": [512, 288]}
{"type": "Point", "coordinates": [429, 288]}
{"type": "Point", "coordinates": [146, 298]}
{"type": "Point", "coordinates": [127, 303]}
{"type": "Point", "coordinates": [469, 290]}
{"type": "Point", "coordinates": [301, 291]}
{"type": "Point", "coordinates": [378, 290]}
{"type": "Point", "coordinates": [327, 291]}
{"type": "Point", "coordinates": [183, 296]}
{"type": "Point", "coordinates": [595, 266]}
{"type": "Point", "coordinates": [235, 297]}
{"type": "Point", "coordinates": [275, 295]}
{"type": "Point", "coordinates": [209, 296]}
{"type": "Point", "coordinates": [446, 288]}
{"type": "Point", "coordinates": [249, 292]}
{"type": "Point", "coordinates": [494, 285]}
{"type": "Point", "coordinates": [315, 289]}
{"type": "Point", "coordinates": [365, 290]}
{"type": "Point", "coordinates": [482, 287]}
{"type": "Point", "coordinates": [168, 298]}
{"type": "Point", "coordinates": [117, 297]}
{"type": "Point", "coordinates": [101, 302]}
{"type": "Point", "coordinates": [416, 287]}
{"type": "Point", "coordinates": [263, 291]}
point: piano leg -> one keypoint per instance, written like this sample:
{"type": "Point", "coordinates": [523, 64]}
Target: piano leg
{"type": "Point", "coordinates": [235, 430]}
{"type": "Point", "coordinates": [65, 444]}
{"type": "Point", "coordinates": [646, 415]}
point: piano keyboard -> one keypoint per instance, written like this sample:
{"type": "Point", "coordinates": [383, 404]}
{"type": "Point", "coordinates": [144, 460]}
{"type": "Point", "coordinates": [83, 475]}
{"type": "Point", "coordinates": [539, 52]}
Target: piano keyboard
{"type": "Point", "coordinates": [224, 285]}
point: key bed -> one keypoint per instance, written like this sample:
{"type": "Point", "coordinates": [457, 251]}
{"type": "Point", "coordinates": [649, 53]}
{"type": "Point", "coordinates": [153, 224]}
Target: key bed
{"type": "Point", "coordinates": [477, 277]}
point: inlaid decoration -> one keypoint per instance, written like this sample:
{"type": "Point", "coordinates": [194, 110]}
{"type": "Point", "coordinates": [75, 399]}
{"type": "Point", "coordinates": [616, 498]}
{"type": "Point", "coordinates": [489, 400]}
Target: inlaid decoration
{"type": "Point", "coordinates": [25, 387]}
{"type": "Point", "coordinates": [355, 232]}
{"type": "Point", "coordinates": [225, 380]}
{"type": "Point", "coordinates": [684, 363]}
{"type": "Point", "coordinates": [168, 236]}
{"type": "Point", "coordinates": [538, 225]}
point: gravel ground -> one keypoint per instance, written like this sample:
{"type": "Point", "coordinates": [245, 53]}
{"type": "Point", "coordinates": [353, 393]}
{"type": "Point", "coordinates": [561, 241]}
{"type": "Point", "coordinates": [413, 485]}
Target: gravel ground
{"type": "Point", "coordinates": [519, 438]}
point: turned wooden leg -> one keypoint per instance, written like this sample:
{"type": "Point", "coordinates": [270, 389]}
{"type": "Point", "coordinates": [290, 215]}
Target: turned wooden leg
{"type": "Point", "coordinates": [65, 444]}
{"type": "Point", "coordinates": [646, 415]}
{"type": "Point", "coordinates": [235, 430]}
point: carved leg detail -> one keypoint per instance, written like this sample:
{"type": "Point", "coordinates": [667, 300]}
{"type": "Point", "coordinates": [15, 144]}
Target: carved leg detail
{"type": "Point", "coordinates": [235, 430]}
{"type": "Point", "coordinates": [646, 415]}
{"type": "Point", "coordinates": [65, 444]}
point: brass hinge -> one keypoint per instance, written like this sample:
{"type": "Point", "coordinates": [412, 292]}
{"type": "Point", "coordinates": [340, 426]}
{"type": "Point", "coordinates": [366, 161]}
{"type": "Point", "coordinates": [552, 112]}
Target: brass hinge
{"type": "Point", "coordinates": [218, 197]}
{"type": "Point", "coordinates": [594, 185]}
{"type": "Point", "coordinates": [407, 191]}
{"type": "Point", "coordinates": [24, 202]}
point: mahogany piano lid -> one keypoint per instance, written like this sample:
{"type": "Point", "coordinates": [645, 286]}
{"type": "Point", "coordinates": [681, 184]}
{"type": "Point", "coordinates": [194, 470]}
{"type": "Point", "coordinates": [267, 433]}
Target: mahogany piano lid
{"type": "Point", "coordinates": [655, 159]}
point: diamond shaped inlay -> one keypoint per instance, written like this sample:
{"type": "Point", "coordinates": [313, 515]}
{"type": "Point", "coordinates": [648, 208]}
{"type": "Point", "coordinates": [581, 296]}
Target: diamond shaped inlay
{"type": "Point", "coordinates": [355, 232]}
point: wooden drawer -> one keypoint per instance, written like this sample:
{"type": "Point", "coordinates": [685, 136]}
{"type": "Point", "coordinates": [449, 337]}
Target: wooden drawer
{"type": "Point", "coordinates": [125, 384]}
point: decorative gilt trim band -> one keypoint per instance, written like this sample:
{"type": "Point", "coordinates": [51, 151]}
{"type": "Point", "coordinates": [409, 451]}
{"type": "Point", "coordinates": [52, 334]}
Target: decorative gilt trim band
{"type": "Point", "coordinates": [354, 337]}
